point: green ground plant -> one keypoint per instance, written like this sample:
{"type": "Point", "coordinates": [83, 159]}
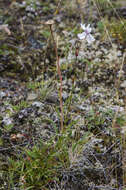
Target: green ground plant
{"type": "Point", "coordinates": [41, 166]}
{"type": "Point", "coordinates": [105, 4]}
{"type": "Point", "coordinates": [117, 30]}
{"type": "Point", "coordinates": [21, 105]}
{"type": "Point", "coordinates": [43, 88]}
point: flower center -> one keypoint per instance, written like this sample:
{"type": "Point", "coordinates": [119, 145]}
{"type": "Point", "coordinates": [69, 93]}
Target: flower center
{"type": "Point", "coordinates": [87, 32]}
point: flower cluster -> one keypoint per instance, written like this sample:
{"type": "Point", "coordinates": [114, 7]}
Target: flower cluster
{"type": "Point", "coordinates": [86, 34]}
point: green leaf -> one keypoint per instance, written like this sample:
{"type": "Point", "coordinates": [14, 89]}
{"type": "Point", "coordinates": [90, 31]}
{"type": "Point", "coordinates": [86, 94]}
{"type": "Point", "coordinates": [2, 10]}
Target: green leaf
{"type": "Point", "coordinates": [31, 187]}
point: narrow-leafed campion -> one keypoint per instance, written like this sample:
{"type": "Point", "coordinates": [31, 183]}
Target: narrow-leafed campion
{"type": "Point", "coordinates": [86, 34]}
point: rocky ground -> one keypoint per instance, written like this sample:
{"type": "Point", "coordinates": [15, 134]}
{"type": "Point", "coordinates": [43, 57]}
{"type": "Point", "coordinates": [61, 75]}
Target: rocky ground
{"type": "Point", "coordinates": [94, 88]}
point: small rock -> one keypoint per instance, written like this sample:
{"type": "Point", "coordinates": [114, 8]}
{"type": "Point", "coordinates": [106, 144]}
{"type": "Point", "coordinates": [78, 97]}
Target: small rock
{"type": "Point", "coordinates": [96, 60]}
{"type": "Point", "coordinates": [2, 94]}
{"type": "Point", "coordinates": [24, 113]}
{"type": "Point", "coordinates": [37, 104]}
{"type": "Point", "coordinates": [98, 53]}
{"type": "Point", "coordinates": [61, 25]}
{"type": "Point", "coordinates": [52, 98]}
{"type": "Point", "coordinates": [65, 95]}
{"type": "Point", "coordinates": [30, 9]}
{"type": "Point", "coordinates": [7, 121]}
{"type": "Point", "coordinates": [77, 90]}
{"type": "Point", "coordinates": [119, 53]}
{"type": "Point", "coordinates": [123, 85]}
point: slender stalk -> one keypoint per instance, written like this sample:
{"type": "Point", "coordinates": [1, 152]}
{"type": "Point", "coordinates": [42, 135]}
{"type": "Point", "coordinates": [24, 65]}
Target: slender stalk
{"type": "Point", "coordinates": [60, 77]}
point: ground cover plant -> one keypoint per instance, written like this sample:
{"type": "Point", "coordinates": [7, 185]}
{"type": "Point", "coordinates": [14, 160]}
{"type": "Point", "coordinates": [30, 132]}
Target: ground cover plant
{"type": "Point", "coordinates": [62, 95]}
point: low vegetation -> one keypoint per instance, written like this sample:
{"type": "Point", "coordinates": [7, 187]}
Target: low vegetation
{"type": "Point", "coordinates": [65, 128]}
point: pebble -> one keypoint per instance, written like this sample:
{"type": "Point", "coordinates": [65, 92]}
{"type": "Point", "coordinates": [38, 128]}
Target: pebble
{"type": "Point", "coordinates": [37, 104]}
{"type": "Point", "coordinates": [7, 121]}
{"type": "Point", "coordinates": [123, 85]}
{"type": "Point", "coordinates": [2, 94]}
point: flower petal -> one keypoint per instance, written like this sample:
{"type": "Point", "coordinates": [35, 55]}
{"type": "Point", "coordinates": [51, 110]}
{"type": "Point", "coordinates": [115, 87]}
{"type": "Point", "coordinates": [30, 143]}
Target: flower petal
{"type": "Point", "coordinates": [88, 30]}
{"type": "Point", "coordinates": [90, 38]}
{"type": "Point", "coordinates": [88, 26]}
{"type": "Point", "coordinates": [83, 26]}
{"type": "Point", "coordinates": [81, 36]}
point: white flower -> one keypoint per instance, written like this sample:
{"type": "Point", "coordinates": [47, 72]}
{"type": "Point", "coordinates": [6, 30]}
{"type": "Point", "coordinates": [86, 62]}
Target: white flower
{"type": "Point", "coordinates": [86, 34]}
